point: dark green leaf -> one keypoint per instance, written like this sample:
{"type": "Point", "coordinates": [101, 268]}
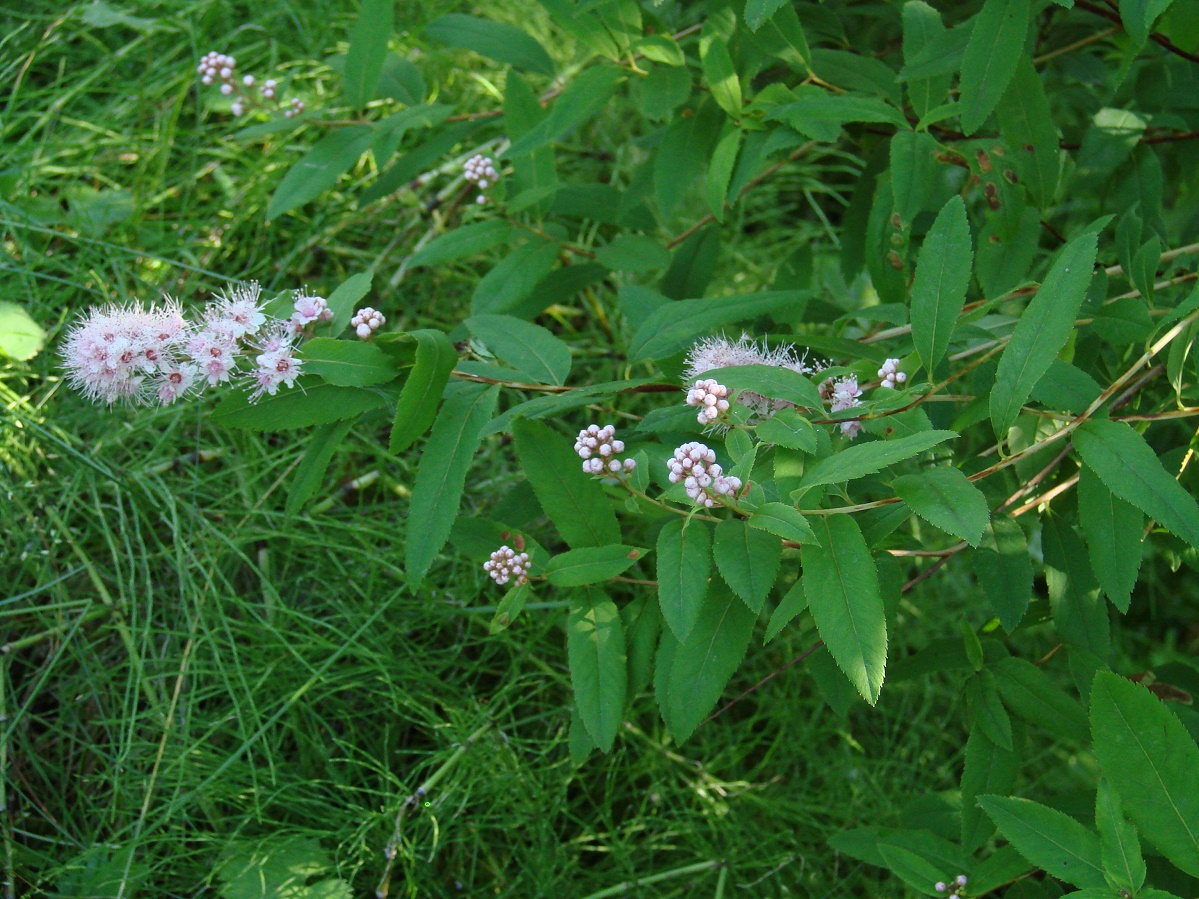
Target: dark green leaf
{"type": "Point", "coordinates": [758, 11]}
{"type": "Point", "coordinates": [772, 381]}
{"type": "Point", "coordinates": [1079, 612]}
{"type": "Point", "coordinates": [922, 23]}
{"type": "Point", "coordinates": [1004, 570]}
{"type": "Point", "coordinates": [1113, 531]}
{"type": "Point", "coordinates": [677, 324]}
{"type": "Point", "coordinates": [417, 406]}
{"type": "Point", "coordinates": [642, 621]}
{"type": "Point", "coordinates": [720, 75]}
{"type": "Point", "coordinates": [633, 253]}
{"type": "Point", "coordinates": [945, 498]}
{"type": "Point", "coordinates": [788, 428]}
{"type": "Point", "coordinates": [318, 451]}
{"type": "Point", "coordinates": [942, 276]}
{"type": "Point", "coordinates": [820, 115]}
{"type": "Point", "coordinates": [529, 348]}
{"type": "Point", "coordinates": [684, 561]}
{"type": "Point", "coordinates": [368, 48]}
{"type": "Point", "coordinates": [590, 564]}
{"type": "Point", "coordinates": [1049, 839]}
{"type": "Point", "coordinates": [914, 173]}
{"type": "Point", "coordinates": [720, 170]}
{"type": "Point", "coordinates": [794, 602]}
{"type": "Point", "coordinates": [995, 47]}
{"type": "Point", "coordinates": [318, 170]}
{"type": "Point", "coordinates": [1027, 127]}
{"type": "Point", "coordinates": [347, 363]}
{"type": "Point", "coordinates": [982, 692]}
{"type": "Point", "coordinates": [401, 80]}
{"type": "Point", "coordinates": [1121, 850]}
{"type": "Point", "coordinates": [598, 664]}
{"type": "Point", "coordinates": [988, 769]}
{"type": "Point", "coordinates": [466, 240]}
{"type": "Point", "coordinates": [345, 298]}
{"type": "Point", "coordinates": [309, 402]}
{"type": "Point", "coordinates": [748, 560]}
{"type": "Point", "coordinates": [495, 40]}
{"type": "Point", "coordinates": [582, 99]}
{"type": "Point", "coordinates": [514, 278]}
{"type": "Point", "coordinates": [862, 459]}
{"type": "Point", "coordinates": [783, 521]}
{"type": "Point", "coordinates": [1030, 693]}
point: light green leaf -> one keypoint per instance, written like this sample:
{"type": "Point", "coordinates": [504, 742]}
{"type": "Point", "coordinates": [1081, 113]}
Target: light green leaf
{"type": "Point", "coordinates": [598, 664]}
{"type": "Point", "coordinates": [368, 48]}
{"type": "Point", "coordinates": [921, 23]}
{"type": "Point", "coordinates": [820, 115]}
{"type": "Point", "coordinates": [573, 501]}
{"type": "Point", "coordinates": [721, 75]}
{"type": "Point", "coordinates": [1133, 472]}
{"type": "Point", "coordinates": [495, 40]}
{"type": "Point", "coordinates": [720, 170]}
{"type": "Point", "coordinates": [995, 46]}
{"type": "Point", "coordinates": [417, 406]}
{"type": "Point", "coordinates": [772, 381]}
{"type": "Point", "coordinates": [758, 12]}
{"type": "Point", "coordinates": [862, 459]}
{"type": "Point", "coordinates": [660, 48]}
{"type": "Point", "coordinates": [1152, 762]}
{"type": "Point", "coordinates": [510, 607]}
{"type": "Point", "coordinates": [699, 668]}
{"type": "Point", "coordinates": [309, 402]}
{"type": "Point", "coordinates": [841, 585]}
{"type": "Point", "coordinates": [529, 348]}
{"type": "Point", "coordinates": [783, 521]}
{"type": "Point", "coordinates": [794, 602]}
{"type": "Point", "coordinates": [633, 253]}
{"type": "Point", "coordinates": [345, 297]}
{"type": "Point", "coordinates": [945, 498]}
{"type": "Point", "coordinates": [441, 476]}
{"type": "Point", "coordinates": [1042, 331]}
{"type": "Point", "coordinates": [590, 564]}
{"type": "Point", "coordinates": [747, 559]}
{"type": "Point", "coordinates": [1113, 531]}
{"type": "Point", "coordinates": [21, 338]}
{"type": "Point", "coordinates": [401, 80]}
{"type": "Point", "coordinates": [318, 170]}
{"type": "Point", "coordinates": [677, 324]}
{"type": "Point", "coordinates": [788, 428]}
{"type": "Point", "coordinates": [347, 363]}
{"type": "Point", "coordinates": [1049, 839]}
{"type": "Point", "coordinates": [942, 276]}
{"type": "Point", "coordinates": [318, 451]}
{"type": "Point", "coordinates": [684, 562]}
{"type": "Point", "coordinates": [467, 240]}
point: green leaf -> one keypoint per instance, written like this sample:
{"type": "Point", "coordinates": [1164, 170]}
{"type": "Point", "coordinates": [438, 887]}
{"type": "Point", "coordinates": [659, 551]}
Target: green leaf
{"type": "Point", "coordinates": [368, 48]}
{"type": "Point", "coordinates": [590, 564]}
{"type": "Point", "coordinates": [466, 240]}
{"type": "Point", "coordinates": [820, 115]}
{"type": "Point", "coordinates": [922, 23]}
{"type": "Point", "coordinates": [529, 348]}
{"type": "Point", "coordinates": [1079, 612]}
{"type": "Point", "coordinates": [1152, 762]}
{"type": "Point", "coordinates": [788, 428]}
{"type": "Point", "coordinates": [573, 501]}
{"type": "Point", "coordinates": [1027, 127]}
{"type": "Point", "coordinates": [772, 381]}
{"type": "Point", "coordinates": [495, 40]}
{"type": "Point", "coordinates": [1028, 691]}
{"type": "Point", "coordinates": [318, 451]}
{"type": "Point", "coordinates": [1042, 331]}
{"type": "Point", "coordinates": [862, 459]}
{"type": "Point", "coordinates": [720, 170]}
{"type": "Point", "coordinates": [914, 173]}
{"type": "Point", "coordinates": [1120, 848]}
{"type": "Point", "coordinates": [664, 90]}
{"type": "Point", "coordinates": [510, 607]}
{"type": "Point", "coordinates": [982, 693]}
{"type": "Point", "coordinates": [583, 97]}
{"type": "Point", "coordinates": [996, 45]}
{"type": "Point", "coordinates": [418, 160]}
{"type": "Point", "coordinates": [441, 476]}
{"type": "Point", "coordinates": [748, 560]}
{"type": "Point", "coordinates": [347, 363]}
{"type": "Point", "coordinates": [783, 521]}
{"type": "Point", "coordinates": [794, 602]}
{"type": "Point", "coordinates": [1139, 15]}
{"type": "Point", "coordinates": [661, 48]}
{"type": "Point", "coordinates": [1049, 839]}
{"type": "Point", "coordinates": [1113, 531]}
{"type": "Point", "coordinates": [21, 338]}
{"type": "Point", "coordinates": [942, 276]}
{"type": "Point", "coordinates": [309, 402]}
{"type": "Point", "coordinates": [642, 622]}
{"type": "Point", "coordinates": [345, 297]}
{"type": "Point", "coordinates": [514, 278]}
{"type": "Point", "coordinates": [912, 868]}
{"type": "Point", "coordinates": [417, 406]}
{"type": "Point", "coordinates": [699, 668]}
{"type": "Point", "coordinates": [1004, 569]}
{"type": "Point", "coordinates": [598, 664]}
{"type": "Point", "coordinates": [684, 562]}
{"type": "Point", "coordinates": [633, 253]}
{"type": "Point", "coordinates": [757, 12]}
{"type": "Point", "coordinates": [841, 585]}
{"type": "Point", "coordinates": [721, 75]}
{"type": "Point", "coordinates": [1133, 472]}
{"type": "Point", "coordinates": [945, 498]}
{"type": "Point", "coordinates": [988, 769]}
{"type": "Point", "coordinates": [401, 80]}
{"type": "Point", "coordinates": [318, 170]}
{"type": "Point", "coordinates": [677, 324]}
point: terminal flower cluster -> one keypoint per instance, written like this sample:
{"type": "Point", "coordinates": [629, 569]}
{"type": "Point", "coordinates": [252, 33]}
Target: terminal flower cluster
{"type": "Point", "coordinates": [713, 353]}
{"type": "Point", "coordinates": [891, 374]}
{"type": "Point", "coordinates": [506, 564]}
{"type": "Point", "coordinates": [843, 394]}
{"type": "Point", "coordinates": [694, 465]}
{"type": "Point", "coordinates": [712, 399]}
{"type": "Point", "coordinates": [367, 321]}
{"type": "Point", "coordinates": [599, 448]}
{"type": "Point", "coordinates": [480, 170]}
{"type": "Point", "coordinates": [954, 889]}
{"type": "Point", "coordinates": [220, 68]}
{"type": "Point", "coordinates": [309, 310]}
{"type": "Point", "coordinates": [157, 356]}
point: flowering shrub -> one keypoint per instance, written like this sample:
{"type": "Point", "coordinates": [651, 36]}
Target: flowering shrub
{"type": "Point", "coordinates": [953, 376]}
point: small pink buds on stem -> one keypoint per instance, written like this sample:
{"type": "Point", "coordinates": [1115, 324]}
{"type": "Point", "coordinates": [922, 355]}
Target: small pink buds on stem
{"type": "Point", "coordinates": [221, 69]}
{"type": "Point", "coordinates": [694, 465]}
{"type": "Point", "coordinates": [891, 374]}
{"type": "Point", "coordinates": [843, 394]}
{"type": "Point", "coordinates": [711, 398]}
{"type": "Point", "coordinates": [480, 170]}
{"type": "Point", "coordinates": [367, 321]}
{"type": "Point", "coordinates": [599, 448]}
{"type": "Point", "coordinates": [505, 565]}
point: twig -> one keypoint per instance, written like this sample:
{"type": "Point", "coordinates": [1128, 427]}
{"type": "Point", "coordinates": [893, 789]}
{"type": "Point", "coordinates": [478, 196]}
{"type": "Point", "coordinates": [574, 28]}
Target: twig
{"type": "Point", "coordinates": [1159, 39]}
{"type": "Point", "coordinates": [795, 661]}
{"type": "Point", "coordinates": [630, 885]}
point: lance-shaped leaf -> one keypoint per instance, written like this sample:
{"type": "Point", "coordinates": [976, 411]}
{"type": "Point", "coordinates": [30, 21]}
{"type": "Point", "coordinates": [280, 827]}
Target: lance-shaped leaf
{"type": "Point", "coordinates": [1004, 569]}
{"type": "Point", "coordinates": [841, 585]}
{"type": "Point", "coordinates": [573, 501]}
{"type": "Point", "coordinates": [1027, 126]}
{"type": "Point", "coordinates": [942, 276]}
{"type": "Point", "coordinates": [1133, 472]}
{"type": "Point", "coordinates": [1042, 330]}
{"type": "Point", "coordinates": [495, 40]}
{"type": "Point", "coordinates": [945, 498]}
{"type": "Point", "coordinates": [913, 171]}
{"type": "Point", "coordinates": [794, 601]}
{"type": "Point", "coordinates": [590, 564]}
{"type": "Point", "coordinates": [368, 49]}
{"type": "Point", "coordinates": [347, 363]}
{"type": "Point", "coordinates": [996, 44]}
{"type": "Point", "coordinates": [684, 562]}
{"type": "Point", "coordinates": [417, 406]}
{"type": "Point", "coordinates": [318, 451]}
{"type": "Point", "coordinates": [441, 476]}
{"type": "Point", "coordinates": [1152, 762]}
{"type": "Point", "coordinates": [1049, 839]}
{"type": "Point", "coordinates": [748, 560]}
{"type": "Point", "coordinates": [921, 24]}
{"type": "Point", "coordinates": [988, 769]}
{"type": "Point", "coordinates": [1113, 531]}
{"type": "Point", "coordinates": [310, 402]}
{"type": "Point", "coordinates": [1028, 691]}
{"type": "Point", "coordinates": [867, 458]}
{"type": "Point", "coordinates": [320, 168]}
{"type": "Point", "coordinates": [529, 348]}
{"type": "Point", "coordinates": [784, 521]}
{"type": "Point", "coordinates": [721, 75]}
{"type": "Point", "coordinates": [598, 664]}
{"type": "Point", "coordinates": [675, 325]}
{"type": "Point", "coordinates": [464, 241]}
{"type": "Point", "coordinates": [772, 381]}
{"type": "Point", "coordinates": [1118, 841]}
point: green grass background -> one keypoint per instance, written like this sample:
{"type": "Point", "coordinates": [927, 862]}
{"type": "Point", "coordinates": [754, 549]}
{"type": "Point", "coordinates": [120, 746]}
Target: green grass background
{"type": "Point", "coordinates": [192, 679]}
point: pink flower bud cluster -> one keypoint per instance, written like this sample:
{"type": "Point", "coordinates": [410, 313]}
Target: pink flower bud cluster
{"type": "Point", "coordinates": [480, 170]}
{"type": "Point", "coordinates": [714, 353]}
{"type": "Point", "coordinates": [219, 68]}
{"type": "Point", "coordinates": [142, 356]}
{"type": "Point", "coordinates": [891, 374]}
{"type": "Point", "coordinates": [954, 889]}
{"type": "Point", "coordinates": [843, 394]}
{"type": "Point", "coordinates": [599, 449]}
{"type": "Point", "coordinates": [712, 399]}
{"type": "Point", "coordinates": [308, 310]}
{"type": "Point", "coordinates": [506, 564]}
{"type": "Point", "coordinates": [367, 321]}
{"type": "Point", "coordinates": [694, 465]}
